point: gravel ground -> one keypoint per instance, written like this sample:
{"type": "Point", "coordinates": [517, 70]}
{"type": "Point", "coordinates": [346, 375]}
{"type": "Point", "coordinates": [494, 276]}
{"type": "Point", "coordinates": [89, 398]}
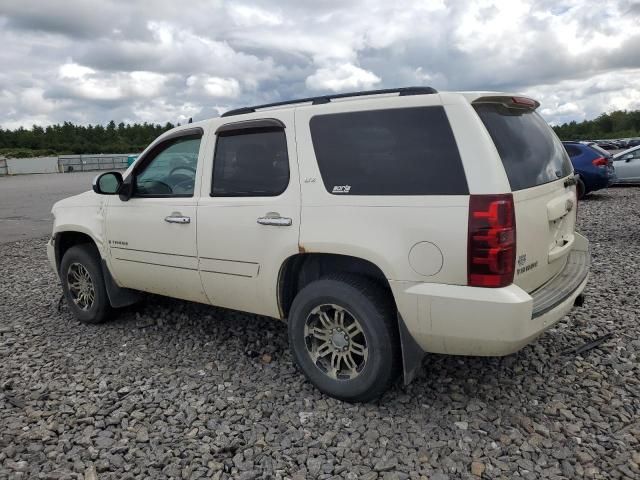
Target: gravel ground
{"type": "Point", "coordinates": [177, 390]}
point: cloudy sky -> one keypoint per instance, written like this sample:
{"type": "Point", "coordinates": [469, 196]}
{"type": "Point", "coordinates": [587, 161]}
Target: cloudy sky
{"type": "Point", "coordinates": [90, 61]}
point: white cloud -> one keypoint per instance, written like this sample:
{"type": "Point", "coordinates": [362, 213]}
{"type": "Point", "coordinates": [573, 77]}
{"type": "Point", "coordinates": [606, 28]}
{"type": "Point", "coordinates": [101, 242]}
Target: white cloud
{"type": "Point", "coordinates": [587, 98]}
{"type": "Point", "coordinates": [214, 86]}
{"type": "Point", "coordinates": [91, 85]}
{"type": "Point", "coordinates": [222, 87]}
{"type": "Point", "coordinates": [341, 77]}
{"type": "Point", "coordinates": [75, 71]}
{"type": "Point", "coordinates": [251, 16]}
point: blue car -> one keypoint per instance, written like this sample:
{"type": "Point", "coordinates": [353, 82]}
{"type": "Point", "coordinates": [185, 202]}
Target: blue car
{"type": "Point", "coordinates": [593, 164]}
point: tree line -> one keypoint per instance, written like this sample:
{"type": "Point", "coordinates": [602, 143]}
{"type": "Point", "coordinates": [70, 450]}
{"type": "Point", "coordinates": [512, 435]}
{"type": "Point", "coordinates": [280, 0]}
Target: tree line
{"type": "Point", "coordinates": [68, 138]}
{"type": "Point", "coordinates": [618, 124]}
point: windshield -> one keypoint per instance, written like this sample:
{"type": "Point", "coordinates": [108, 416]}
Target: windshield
{"type": "Point", "coordinates": [531, 153]}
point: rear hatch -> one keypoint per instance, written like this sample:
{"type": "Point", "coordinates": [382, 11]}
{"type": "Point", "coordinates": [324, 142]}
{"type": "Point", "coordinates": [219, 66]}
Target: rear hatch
{"type": "Point", "coordinates": [608, 167]}
{"type": "Point", "coordinates": [541, 179]}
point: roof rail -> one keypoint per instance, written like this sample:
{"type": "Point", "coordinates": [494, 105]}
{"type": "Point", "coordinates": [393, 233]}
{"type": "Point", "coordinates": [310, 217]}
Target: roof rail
{"type": "Point", "coordinates": [327, 98]}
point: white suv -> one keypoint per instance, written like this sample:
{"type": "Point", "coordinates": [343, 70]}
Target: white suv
{"type": "Point", "coordinates": [379, 225]}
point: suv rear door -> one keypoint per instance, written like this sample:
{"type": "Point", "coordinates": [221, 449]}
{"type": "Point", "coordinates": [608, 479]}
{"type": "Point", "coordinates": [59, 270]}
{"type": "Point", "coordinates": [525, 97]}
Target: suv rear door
{"type": "Point", "coordinates": [249, 212]}
{"type": "Point", "coordinates": [541, 179]}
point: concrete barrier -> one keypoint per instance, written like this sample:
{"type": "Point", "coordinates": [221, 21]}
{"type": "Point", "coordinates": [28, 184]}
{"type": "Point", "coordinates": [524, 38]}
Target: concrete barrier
{"type": "Point", "coordinates": [63, 164]}
{"type": "Point", "coordinates": [20, 166]}
{"type": "Point", "coordinates": [87, 163]}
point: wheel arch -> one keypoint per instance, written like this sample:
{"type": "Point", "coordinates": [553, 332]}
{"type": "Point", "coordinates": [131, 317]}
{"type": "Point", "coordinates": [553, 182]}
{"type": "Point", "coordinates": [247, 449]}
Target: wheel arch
{"type": "Point", "coordinates": [299, 270]}
{"type": "Point", "coordinates": [65, 239]}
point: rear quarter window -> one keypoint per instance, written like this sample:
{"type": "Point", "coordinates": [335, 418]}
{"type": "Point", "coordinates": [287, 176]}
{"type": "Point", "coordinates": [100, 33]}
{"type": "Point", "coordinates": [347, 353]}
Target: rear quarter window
{"type": "Point", "coordinates": [531, 153]}
{"type": "Point", "coordinates": [408, 151]}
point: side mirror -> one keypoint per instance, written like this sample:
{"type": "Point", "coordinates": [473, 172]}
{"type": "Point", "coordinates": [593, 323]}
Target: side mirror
{"type": "Point", "coordinates": [628, 158]}
{"type": "Point", "coordinates": [107, 183]}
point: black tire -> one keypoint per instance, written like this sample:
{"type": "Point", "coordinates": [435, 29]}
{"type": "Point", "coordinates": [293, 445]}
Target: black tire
{"type": "Point", "coordinates": [373, 308]}
{"type": "Point", "coordinates": [580, 189]}
{"type": "Point", "coordinates": [88, 257]}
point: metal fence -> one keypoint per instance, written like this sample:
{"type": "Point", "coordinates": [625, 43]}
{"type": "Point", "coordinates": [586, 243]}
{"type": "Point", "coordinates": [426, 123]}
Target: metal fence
{"type": "Point", "coordinates": [87, 163]}
{"type": "Point", "coordinates": [3, 167]}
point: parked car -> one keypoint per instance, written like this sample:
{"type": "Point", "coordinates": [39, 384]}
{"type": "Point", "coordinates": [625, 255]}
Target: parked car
{"type": "Point", "coordinates": [608, 145]}
{"type": "Point", "coordinates": [593, 164]}
{"type": "Point", "coordinates": [627, 165]}
{"type": "Point", "coordinates": [379, 225]}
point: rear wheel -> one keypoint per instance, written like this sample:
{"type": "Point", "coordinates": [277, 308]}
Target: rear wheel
{"type": "Point", "coordinates": [83, 284]}
{"type": "Point", "coordinates": [343, 335]}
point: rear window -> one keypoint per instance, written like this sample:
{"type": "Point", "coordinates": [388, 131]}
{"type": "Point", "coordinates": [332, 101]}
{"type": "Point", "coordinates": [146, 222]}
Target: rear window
{"type": "Point", "coordinates": [599, 150]}
{"type": "Point", "coordinates": [531, 153]}
{"type": "Point", "coordinates": [408, 151]}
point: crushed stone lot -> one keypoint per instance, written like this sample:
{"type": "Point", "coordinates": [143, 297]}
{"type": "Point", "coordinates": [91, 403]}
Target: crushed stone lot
{"type": "Point", "coordinates": [171, 389]}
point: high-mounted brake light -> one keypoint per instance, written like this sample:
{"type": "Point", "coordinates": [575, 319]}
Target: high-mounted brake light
{"type": "Point", "coordinates": [524, 101]}
{"type": "Point", "coordinates": [600, 162]}
{"type": "Point", "coordinates": [491, 254]}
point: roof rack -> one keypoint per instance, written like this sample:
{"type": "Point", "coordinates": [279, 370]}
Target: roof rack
{"type": "Point", "coordinates": [327, 98]}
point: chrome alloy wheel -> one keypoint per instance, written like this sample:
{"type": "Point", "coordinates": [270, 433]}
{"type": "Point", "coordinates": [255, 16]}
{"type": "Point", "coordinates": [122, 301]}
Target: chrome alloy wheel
{"type": "Point", "coordinates": [335, 342]}
{"type": "Point", "coordinates": [80, 286]}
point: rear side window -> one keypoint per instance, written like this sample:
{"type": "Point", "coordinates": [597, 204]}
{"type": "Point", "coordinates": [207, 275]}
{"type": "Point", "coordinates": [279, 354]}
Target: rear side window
{"type": "Point", "coordinates": [408, 151]}
{"type": "Point", "coordinates": [250, 163]}
{"type": "Point", "coordinates": [531, 153]}
{"type": "Point", "coordinates": [572, 150]}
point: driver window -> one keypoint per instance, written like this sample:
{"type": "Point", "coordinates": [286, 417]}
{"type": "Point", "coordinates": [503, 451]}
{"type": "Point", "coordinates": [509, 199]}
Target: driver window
{"type": "Point", "coordinates": [172, 172]}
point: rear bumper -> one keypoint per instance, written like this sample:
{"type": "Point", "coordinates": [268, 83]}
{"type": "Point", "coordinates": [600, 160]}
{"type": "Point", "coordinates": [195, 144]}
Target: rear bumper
{"type": "Point", "coordinates": [461, 320]}
{"type": "Point", "coordinates": [598, 179]}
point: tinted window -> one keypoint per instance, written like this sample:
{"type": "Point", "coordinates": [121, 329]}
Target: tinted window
{"type": "Point", "coordinates": [409, 151]}
{"type": "Point", "coordinates": [601, 151]}
{"type": "Point", "coordinates": [172, 171]}
{"type": "Point", "coordinates": [572, 150]}
{"type": "Point", "coordinates": [530, 151]}
{"type": "Point", "coordinates": [250, 162]}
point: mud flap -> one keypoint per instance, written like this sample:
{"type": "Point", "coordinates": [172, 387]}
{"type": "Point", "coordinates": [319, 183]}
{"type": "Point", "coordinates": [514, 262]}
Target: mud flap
{"type": "Point", "coordinates": [412, 353]}
{"type": "Point", "coordinates": [118, 296]}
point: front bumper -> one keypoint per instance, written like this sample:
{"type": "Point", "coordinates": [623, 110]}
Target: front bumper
{"type": "Point", "coordinates": [462, 320]}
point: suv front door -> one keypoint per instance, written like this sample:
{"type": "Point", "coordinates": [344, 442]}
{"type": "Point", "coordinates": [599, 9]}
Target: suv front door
{"type": "Point", "coordinates": [249, 213]}
{"type": "Point", "coordinates": [151, 237]}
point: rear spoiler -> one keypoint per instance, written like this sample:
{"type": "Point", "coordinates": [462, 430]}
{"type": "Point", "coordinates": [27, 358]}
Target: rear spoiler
{"type": "Point", "coordinates": [520, 103]}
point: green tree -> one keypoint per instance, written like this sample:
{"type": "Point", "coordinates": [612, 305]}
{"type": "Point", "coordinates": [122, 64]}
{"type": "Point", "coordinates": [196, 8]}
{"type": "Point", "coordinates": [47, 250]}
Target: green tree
{"type": "Point", "coordinates": [80, 139]}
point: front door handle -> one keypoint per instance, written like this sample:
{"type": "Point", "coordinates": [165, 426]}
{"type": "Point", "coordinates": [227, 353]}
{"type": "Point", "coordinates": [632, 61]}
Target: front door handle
{"type": "Point", "coordinates": [177, 218]}
{"type": "Point", "coordinates": [274, 218]}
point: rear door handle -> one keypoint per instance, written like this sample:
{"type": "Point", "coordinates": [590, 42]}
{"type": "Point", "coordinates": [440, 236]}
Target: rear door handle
{"type": "Point", "coordinates": [177, 218]}
{"type": "Point", "coordinates": [274, 218]}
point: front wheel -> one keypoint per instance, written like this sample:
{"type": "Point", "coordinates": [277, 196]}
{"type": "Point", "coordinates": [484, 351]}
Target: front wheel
{"type": "Point", "coordinates": [83, 284]}
{"type": "Point", "coordinates": [343, 335]}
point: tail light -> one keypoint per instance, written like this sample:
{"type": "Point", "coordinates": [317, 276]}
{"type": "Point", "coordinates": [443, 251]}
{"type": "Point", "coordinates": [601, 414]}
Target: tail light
{"type": "Point", "coordinates": [491, 254]}
{"type": "Point", "coordinates": [600, 162]}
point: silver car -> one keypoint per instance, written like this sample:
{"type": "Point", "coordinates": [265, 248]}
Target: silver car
{"type": "Point", "coordinates": [627, 165]}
